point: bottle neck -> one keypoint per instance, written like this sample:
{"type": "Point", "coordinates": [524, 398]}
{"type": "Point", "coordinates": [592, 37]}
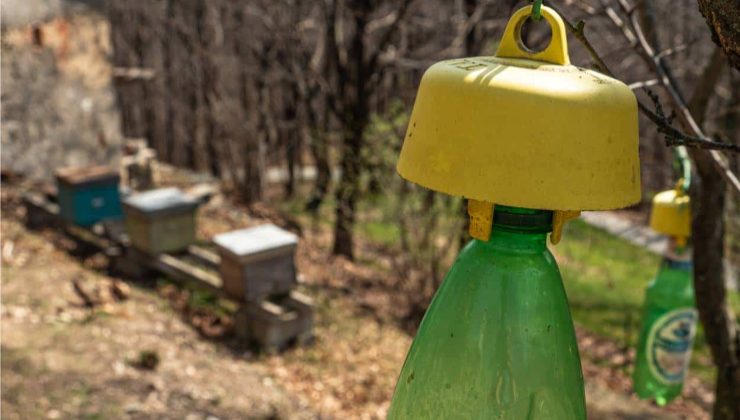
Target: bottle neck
{"type": "Point", "coordinates": [518, 241]}
{"type": "Point", "coordinates": [677, 251]}
{"type": "Point", "coordinates": [677, 264]}
{"type": "Point", "coordinates": [520, 229]}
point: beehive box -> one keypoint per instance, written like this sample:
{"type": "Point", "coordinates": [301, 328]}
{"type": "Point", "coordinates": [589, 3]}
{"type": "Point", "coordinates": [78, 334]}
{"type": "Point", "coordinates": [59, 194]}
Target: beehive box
{"type": "Point", "coordinates": [257, 262]}
{"type": "Point", "coordinates": [161, 220]}
{"type": "Point", "coordinates": [87, 195]}
{"type": "Point", "coordinates": [276, 323]}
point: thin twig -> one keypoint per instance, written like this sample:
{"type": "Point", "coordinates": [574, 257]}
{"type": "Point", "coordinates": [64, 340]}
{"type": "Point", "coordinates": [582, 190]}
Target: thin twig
{"type": "Point", "coordinates": [643, 84]}
{"type": "Point", "coordinates": [674, 137]}
{"type": "Point", "coordinates": [673, 50]}
{"type": "Point", "coordinates": [577, 30]}
{"type": "Point", "coordinates": [671, 86]}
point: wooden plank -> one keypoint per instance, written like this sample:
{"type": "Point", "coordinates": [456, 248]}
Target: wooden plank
{"type": "Point", "coordinates": [38, 206]}
{"type": "Point", "coordinates": [182, 271]}
{"type": "Point", "coordinates": [205, 256]}
{"type": "Point", "coordinates": [133, 73]}
{"type": "Point", "coordinates": [88, 237]}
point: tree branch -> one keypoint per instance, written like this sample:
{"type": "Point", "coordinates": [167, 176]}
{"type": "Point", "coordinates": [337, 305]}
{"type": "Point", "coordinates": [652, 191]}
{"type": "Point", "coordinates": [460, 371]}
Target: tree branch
{"type": "Point", "coordinates": [675, 137]}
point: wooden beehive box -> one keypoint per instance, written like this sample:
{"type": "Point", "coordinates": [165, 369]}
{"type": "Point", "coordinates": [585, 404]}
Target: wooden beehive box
{"type": "Point", "coordinates": [257, 262]}
{"type": "Point", "coordinates": [87, 195]}
{"type": "Point", "coordinates": [161, 220]}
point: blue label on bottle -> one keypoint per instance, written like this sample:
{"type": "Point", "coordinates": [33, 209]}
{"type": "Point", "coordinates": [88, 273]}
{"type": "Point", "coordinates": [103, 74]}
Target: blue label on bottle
{"type": "Point", "coordinates": [669, 345]}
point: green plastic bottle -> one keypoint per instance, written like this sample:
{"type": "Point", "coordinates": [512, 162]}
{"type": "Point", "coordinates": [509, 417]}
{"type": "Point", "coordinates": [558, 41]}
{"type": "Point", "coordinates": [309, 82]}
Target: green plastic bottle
{"type": "Point", "coordinates": [667, 334]}
{"type": "Point", "coordinates": [497, 341]}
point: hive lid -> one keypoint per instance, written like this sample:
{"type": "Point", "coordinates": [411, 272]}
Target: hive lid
{"type": "Point", "coordinates": [86, 175]}
{"type": "Point", "coordinates": [524, 129]}
{"type": "Point", "coordinates": [255, 240]}
{"type": "Point", "coordinates": [160, 202]}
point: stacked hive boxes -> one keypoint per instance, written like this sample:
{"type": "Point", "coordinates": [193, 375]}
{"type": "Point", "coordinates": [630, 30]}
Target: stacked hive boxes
{"type": "Point", "coordinates": [257, 268]}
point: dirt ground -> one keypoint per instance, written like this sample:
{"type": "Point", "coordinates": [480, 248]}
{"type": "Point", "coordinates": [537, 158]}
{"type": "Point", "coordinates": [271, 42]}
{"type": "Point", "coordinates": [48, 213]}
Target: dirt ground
{"type": "Point", "coordinates": [63, 360]}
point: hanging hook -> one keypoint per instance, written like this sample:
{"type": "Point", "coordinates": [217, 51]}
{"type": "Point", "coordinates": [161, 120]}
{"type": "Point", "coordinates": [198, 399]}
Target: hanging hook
{"type": "Point", "coordinates": [683, 165]}
{"type": "Point", "coordinates": [536, 10]}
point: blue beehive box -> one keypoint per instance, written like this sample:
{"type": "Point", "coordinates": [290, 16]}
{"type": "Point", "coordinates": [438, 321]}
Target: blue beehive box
{"type": "Point", "coordinates": [88, 195]}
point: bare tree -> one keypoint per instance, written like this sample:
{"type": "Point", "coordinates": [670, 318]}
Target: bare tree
{"type": "Point", "coordinates": [356, 68]}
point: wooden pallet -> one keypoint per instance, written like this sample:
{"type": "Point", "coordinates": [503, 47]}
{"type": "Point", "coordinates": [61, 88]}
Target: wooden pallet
{"type": "Point", "coordinates": [273, 323]}
{"type": "Point", "coordinates": [110, 237]}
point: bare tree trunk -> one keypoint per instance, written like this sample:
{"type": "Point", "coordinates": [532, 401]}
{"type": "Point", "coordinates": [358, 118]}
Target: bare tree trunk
{"type": "Point", "coordinates": [124, 22]}
{"type": "Point", "coordinates": [182, 68]}
{"type": "Point", "coordinates": [152, 56]}
{"type": "Point", "coordinates": [709, 285]}
{"type": "Point", "coordinates": [352, 98]}
{"type": "Point", "coordinates": [347, 192]}
{"type": "Point", "coordinates": [722, 17]}
{"type": "Point", "coordinates": [319, 147]}
{"type": "Point", "coordinates": [355, 120]}
{"type": "Point", "coordinates": [291, 139]}
{"type": "Point", "coordinates": [708, 232]}
{"type": "Point", "coordinates": [317, 106]}
{"type": "Point", "coordinates": [168, 141]}
{"type": "Point", "coordinates": [251, 190]}
{"type": "Point", "coordinates": [200, 59]}
{"type": "Point", "coordinates": [210, 24]}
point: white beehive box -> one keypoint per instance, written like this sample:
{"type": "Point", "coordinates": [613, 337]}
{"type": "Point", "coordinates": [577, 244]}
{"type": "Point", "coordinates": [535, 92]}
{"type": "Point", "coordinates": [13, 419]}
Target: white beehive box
{"type": "Point", "coordinates": [161, 220]}
{"type": "Point", "coordinates": [258, 262]}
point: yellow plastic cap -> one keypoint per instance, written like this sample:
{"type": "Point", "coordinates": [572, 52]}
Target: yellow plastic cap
{"type": "Point", "coordinates": [671, 214]}
{"type": "Point", "coordinates": [524, 129]}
